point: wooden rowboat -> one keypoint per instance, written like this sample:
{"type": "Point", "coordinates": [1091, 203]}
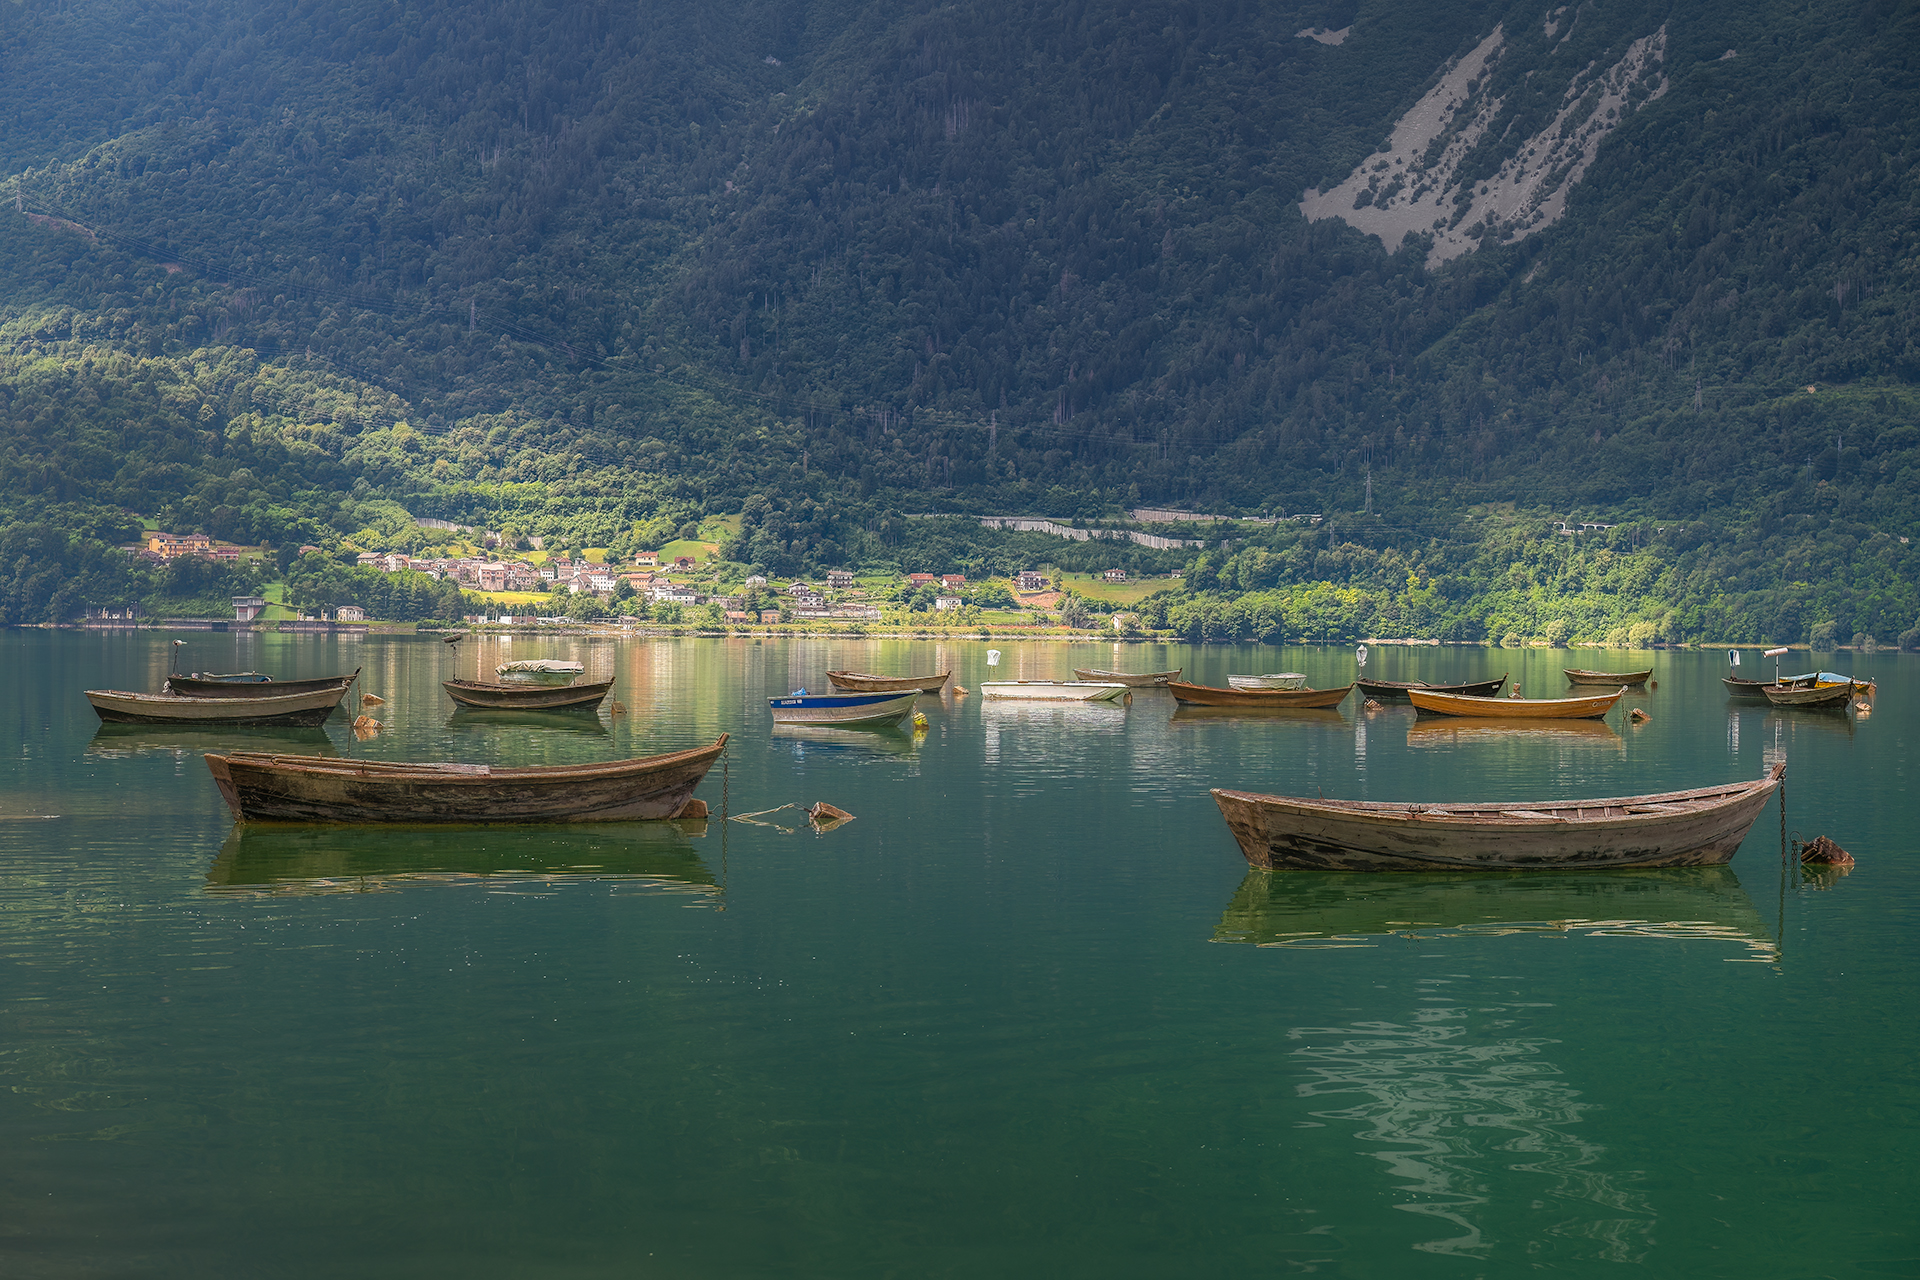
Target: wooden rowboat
{"type": "Point", "coordinates": [526, 697]}
{"type": "Point", "coordinates": [1822, 693]}
{"type": "Point", "coordinates": [1701, 827]}
{"type": "Point", "coordinates": [1576, 676]}
{"type": "Point", "coordinates": [1055, 690]}
{"type": "Point", "coordinates": [118, 706]}
{"type": "Point", "coordinates": [261, 787]}
{"type": "Point", "coordinates": [1250, 699]}
{"type": "Point", "coordinates": [1133, 680]}
{"type": "Point", "coordinates": [1452, 704]}
{"type": "Point", "coordinates": [199, 685]}
{"type": "Point", "coordinates": [1398, 689]}
{"type": "Point", "coordinates": [1738, 688]}
{"type": "Point", "coordinates": [843, 709]}
{"type": "Point", "coordinates": [860, 682]}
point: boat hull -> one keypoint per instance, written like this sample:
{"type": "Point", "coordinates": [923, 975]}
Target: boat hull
{"type": "Point", "coordinates": [843, 709]}
{"type": "Point", "coordinates": [1054, 690]}
{"type": "Point", "coordinates": [1576, 676]}
{"type": "Point", "coordinates": [1674, 829]}
{"type": "Point", "coordinates": [1833, 695]}
{"type": "Point", "coordinates": [1133, 680]}
{"type": "Point", "coordinates": [264, 687]}
{"type": "Point", "coordinates": [1200, 695]}
{"type": "Point", "coordinates": [860, 682]}
{"type": "Point", "coordinates": [1452, 704]}
{"type": "Point", "coordinates": [526, 697]}
{"type": "Point", "coordinates": [1400, 688]}
{"type": "Point", "coordinates": [1738, 688]}
{"type": "Point", "coordinates": [117, 706]}
{"type": "Point", "coordinates": [267, 788]}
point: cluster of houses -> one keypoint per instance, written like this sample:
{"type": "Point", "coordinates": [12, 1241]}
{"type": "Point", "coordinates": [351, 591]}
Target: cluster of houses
{"type": "Point", "coordinates": [157, 547]}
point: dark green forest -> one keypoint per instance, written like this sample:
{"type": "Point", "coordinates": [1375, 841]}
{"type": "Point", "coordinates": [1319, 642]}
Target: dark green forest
{"type": "Point", "coordinates": [283, 272]}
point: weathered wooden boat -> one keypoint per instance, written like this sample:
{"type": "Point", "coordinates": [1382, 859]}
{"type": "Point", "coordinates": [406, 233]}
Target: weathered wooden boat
{"type": "Point", "coordinates": [861, 682]}
{"type": "Point", "coordinates": [312, 706]}
{"type": "Point", "coordinates": [1308, 909]}
{"type": "Point", "coordinates": [1277, 680]}
{"type": "Point", "coordinates": [843, 709]}
{"type": "Point", "coordinates": [527, 697]}
{"type": "Point", "coordinates": [541, 670]}
{"type": "Point", "coordinates": [1399, 688]}
{"type": "Point", "coordinates": [1131, 679]}
{"type": "Point", "coordinates": [1256, 699]}
{"type": "Point", "coordinates": [1815, 693]}
{"type": "Point", "coordinates": [201, 685]}
{"type": "Point", "coordinates": [272, 788]}
{"type": "Point", "coordinates": [1701, 827]}
{"type": "Point", "coordinates": [280, 859]}
{"type": "Point", "coordinates": [1452, 704]}
{"type": "Point", "coordinates": [1738, 688]}
{"type": "Point", "coordinates": [1054, 690]}
{"type": "Point", "coordinates": [1577, 676]}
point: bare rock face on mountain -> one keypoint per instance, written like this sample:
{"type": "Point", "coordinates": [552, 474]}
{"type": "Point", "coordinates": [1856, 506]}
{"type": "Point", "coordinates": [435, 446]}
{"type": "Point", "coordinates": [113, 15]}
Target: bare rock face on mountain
{"type": "Point", "coordinates": [1422, 184]}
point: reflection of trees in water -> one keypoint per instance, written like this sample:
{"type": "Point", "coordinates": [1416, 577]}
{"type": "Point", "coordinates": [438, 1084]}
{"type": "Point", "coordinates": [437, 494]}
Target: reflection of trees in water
{"type": "Point", "coordinates": [1447, 1100]}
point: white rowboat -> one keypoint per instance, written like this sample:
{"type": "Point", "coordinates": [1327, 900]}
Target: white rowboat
{"type": "Point", "coordinates": [1053, 690]}
{"type": "Point", "coordinates": [1278, 680]}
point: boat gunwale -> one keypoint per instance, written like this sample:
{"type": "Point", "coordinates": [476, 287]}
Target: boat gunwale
{"type": "Point", "coordinates": [842, 696]}
{"type": "Point", "coordinates": [414, 771]}
{"type": "Point", "coordinates": [1496, 813]}
{"type": "Point", "coordinates": [1404, 686]}
{"type": "Point", "coordinates": [1098, 675]}
{"type": "Point", "coordinates": [1513, 706]}
{"type": "Point", "coordinates": [1580, 675]}
{"type": "Point", "coordinates": [1272, 699]}
{"type": "Point", "coordinates": [278, 688]}
{"type": "Point", "coordinates": [338, 693]}
{"type": "Point", "coordinates": [904, 682]}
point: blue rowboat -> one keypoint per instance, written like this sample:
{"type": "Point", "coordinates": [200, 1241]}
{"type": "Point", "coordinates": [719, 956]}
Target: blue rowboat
{"type": "Point", "coordinates": [801, 707]}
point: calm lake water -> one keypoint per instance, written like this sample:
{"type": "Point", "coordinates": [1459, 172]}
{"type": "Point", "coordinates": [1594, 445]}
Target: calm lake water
{"type": "Point", "coordinates": [1028, 1014]}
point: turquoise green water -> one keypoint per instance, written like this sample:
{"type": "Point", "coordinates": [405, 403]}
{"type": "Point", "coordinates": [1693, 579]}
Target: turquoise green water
{"type": "Point", "coordinates": [1028, 1014]}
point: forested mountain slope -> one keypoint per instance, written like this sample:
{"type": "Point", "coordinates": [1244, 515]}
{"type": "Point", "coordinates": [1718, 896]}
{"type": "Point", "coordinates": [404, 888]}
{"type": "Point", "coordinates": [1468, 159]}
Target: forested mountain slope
{"type": "Point", "coordinates": [576, 266]}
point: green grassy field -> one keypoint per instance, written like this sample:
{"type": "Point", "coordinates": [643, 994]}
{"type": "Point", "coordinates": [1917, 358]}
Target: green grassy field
{"type": "Point", "coordinates": [1094, 587]}
{"type": "Point", "coordinates": [275, 594]}
{"type": "Point", "coordinates": [701, 552]}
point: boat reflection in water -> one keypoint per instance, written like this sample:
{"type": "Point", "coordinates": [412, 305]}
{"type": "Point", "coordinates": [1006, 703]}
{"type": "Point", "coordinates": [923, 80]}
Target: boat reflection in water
{"type": "Point", "coordinates": [1339, 909]}
{"type": "Point", "coordinates": [1448, 1098]}
{"type": "Point", "coordinates": [1454, 1105]}
{"type": "Point", "coordinates": [563, 720]}
{"type": "Point", "coordinates": [1825, 721]}
{"type": "Point", "coordinates": [115, 740]}
{"type": "Point", "coordinates": [1327, 717]}
{"type": "Point", "coordinates": [649, 857]}
{"type": "Point", "coordinates": [879, 740]}
{"type": "Point", "coordinates": [1526, 734]}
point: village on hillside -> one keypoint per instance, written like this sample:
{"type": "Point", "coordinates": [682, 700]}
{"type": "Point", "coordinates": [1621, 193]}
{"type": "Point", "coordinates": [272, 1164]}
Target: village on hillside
{"type": "Point", "coordinates": [685, 582]}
